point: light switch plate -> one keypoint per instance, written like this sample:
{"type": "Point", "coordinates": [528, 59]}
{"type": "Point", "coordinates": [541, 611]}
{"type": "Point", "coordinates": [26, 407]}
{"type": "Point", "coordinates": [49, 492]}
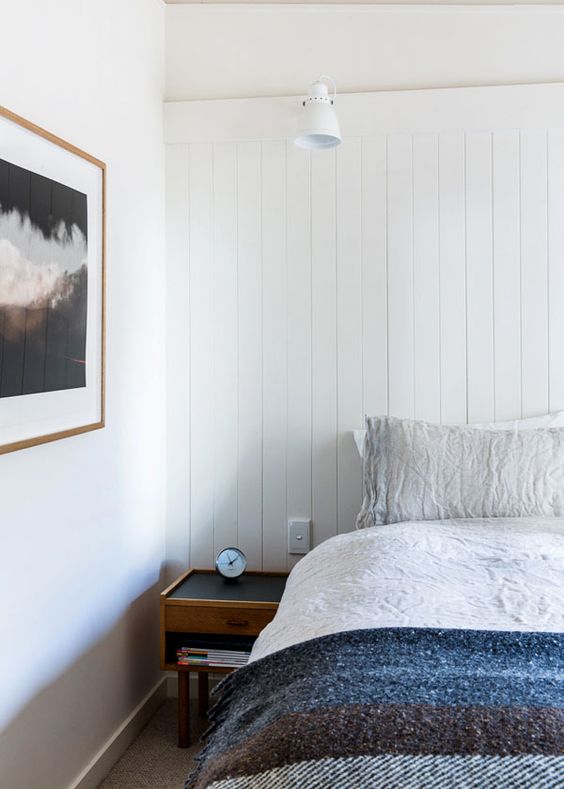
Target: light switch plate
{"type": "Point", "coordinates": [299, 536]}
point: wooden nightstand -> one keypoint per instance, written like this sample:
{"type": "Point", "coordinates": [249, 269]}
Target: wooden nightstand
{"type": "Point", "coordinates": [201, 609]}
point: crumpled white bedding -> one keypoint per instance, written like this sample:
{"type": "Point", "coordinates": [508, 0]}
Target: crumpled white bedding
{"type": "Point", "coordinates": [485, 573]}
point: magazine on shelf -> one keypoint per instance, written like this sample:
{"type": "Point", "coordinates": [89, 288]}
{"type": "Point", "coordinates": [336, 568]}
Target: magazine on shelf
{"type": "Point", "coordinates": [200, 656]}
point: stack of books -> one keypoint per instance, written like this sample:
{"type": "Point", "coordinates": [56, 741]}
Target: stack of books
{"type": "Point", "coordinates": [227, 658]}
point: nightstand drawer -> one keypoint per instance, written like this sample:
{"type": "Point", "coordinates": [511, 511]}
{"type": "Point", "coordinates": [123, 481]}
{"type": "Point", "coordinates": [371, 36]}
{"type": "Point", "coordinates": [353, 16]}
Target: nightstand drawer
{"type": "Point", "coordinates": [211, 619]}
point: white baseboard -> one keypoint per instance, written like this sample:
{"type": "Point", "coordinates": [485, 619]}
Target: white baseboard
{"type": "Point", "coordinates": [97, 769]}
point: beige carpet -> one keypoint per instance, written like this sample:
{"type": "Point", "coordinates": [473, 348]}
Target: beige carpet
{"type": "Point", "coordinates": [153, 760]}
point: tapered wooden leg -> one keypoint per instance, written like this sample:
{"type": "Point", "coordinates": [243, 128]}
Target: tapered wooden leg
{"type": "Point", "coordinates": [203, 699]}
{"type": "Point", "coordinates": [183, 709]}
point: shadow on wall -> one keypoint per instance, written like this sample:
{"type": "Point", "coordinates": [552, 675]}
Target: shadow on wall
{"type": "Point", "coordinates": [56, 734]}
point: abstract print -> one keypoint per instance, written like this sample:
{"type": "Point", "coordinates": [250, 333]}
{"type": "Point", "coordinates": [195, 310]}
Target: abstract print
{"type": "Point", "coordinates": [43, 283]}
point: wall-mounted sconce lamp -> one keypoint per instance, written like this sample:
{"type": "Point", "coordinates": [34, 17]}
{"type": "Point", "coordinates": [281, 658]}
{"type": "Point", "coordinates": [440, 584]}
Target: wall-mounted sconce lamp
{"type": "Point", "coordinates": [320, 125]}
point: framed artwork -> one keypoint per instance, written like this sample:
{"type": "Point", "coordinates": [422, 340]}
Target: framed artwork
{"type": "Point", "coordinates": [52, 283]}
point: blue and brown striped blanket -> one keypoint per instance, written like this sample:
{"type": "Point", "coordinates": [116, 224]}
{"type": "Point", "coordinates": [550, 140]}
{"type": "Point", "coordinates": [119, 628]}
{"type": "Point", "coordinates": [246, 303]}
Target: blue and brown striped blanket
{"type": "Point", "coordinates": [390, 709]}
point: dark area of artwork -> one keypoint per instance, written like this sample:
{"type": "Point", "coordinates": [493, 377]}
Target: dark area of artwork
{"type": "Point", "coordinates": [43, 284]}
{"type": "Point", "coordinates": [42, 348]}
{"type": "Point", "coordinates": [47, 203]}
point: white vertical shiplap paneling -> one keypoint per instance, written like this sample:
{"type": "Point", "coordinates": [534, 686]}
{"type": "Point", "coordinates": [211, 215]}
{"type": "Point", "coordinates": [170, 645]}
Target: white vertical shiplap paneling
{"type": "Point", "coordinates": [419, 274]}
{"type": "Point", "coordinates": [324, 345]}
{"type": "Point", "coordinates": [201, 353]}
{"type": "Point", "coordinates": [274, 353]}
{"type": "Point", "coordinates": [400, 277]}
{"type": "Point", "coordinates": [426, 283]}
{"type": "Point", "coordinates": [534, 272]}
{"type": "Point", "coordinates": [178, 355]}
{"type": "Point", "coordinates": [374, 307]}
{"type": "Point", "coordinates": [556, 268]}
{"type": "Point", "coordinates": [507, 274]}
{"type": "Point", "coordinates": [479, 278]}
{"type": "Point", "coordinates": [298, 294]}
{"type": "Point", "coordinates": [249, 375]}
{"type": "Point", "coordinates": [349, 328]}
{"type": "Point", "coordinates": [452, 277]}
{"type": "Point", "coordinates": [224, 394]}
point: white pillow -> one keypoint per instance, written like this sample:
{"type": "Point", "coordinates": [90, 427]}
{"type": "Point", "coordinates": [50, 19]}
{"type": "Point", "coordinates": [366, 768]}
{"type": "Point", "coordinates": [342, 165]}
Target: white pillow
{"type": "Point", "coordinates": [417, 471]}
{"type": "Point", "coordinates": [530, 423]}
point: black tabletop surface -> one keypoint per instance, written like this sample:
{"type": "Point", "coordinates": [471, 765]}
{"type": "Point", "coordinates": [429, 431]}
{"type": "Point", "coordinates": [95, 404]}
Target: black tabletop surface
{"type": "Point", "coordinates": [250, 588]}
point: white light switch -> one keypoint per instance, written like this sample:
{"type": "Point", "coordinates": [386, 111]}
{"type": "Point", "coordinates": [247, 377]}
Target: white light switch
{"type": "Point", "coordinates": [299, 536]}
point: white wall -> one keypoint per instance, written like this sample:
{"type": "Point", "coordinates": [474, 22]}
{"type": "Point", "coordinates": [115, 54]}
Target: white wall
{"type": "Point", "coordinates": [82, 520]}
{"type": "Point", "coordinates": [407, 272]}
{"type": "Point", "coordinates": [245, 51]}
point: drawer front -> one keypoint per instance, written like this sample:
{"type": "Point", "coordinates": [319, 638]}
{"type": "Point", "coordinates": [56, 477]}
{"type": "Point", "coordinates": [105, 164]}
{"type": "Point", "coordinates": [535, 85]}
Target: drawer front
{"type": "Point", "coordinates": [204, 619]}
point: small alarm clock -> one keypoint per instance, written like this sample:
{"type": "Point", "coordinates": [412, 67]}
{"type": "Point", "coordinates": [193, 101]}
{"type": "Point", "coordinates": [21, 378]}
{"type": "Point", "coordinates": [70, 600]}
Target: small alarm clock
{"type": "Point", "coordinates": [231, 563]}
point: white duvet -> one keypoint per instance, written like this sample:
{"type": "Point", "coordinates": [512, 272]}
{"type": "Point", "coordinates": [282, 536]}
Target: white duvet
{"type": "Point", "coordinates": [492, 574]}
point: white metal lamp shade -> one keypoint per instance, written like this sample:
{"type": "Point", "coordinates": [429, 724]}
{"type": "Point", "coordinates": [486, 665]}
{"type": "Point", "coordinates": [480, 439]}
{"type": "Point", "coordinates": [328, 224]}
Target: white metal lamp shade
{"type": "Point", "coordinates": [320, 127]}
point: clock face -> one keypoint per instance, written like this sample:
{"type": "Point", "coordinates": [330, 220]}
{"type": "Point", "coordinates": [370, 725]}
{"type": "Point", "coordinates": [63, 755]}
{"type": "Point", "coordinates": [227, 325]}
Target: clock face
{"type": "Point", "coordinates": [231, 562]}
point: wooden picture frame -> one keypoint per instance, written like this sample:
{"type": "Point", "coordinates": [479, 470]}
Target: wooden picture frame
{"type": "Point", "coordinates": [52, 286]}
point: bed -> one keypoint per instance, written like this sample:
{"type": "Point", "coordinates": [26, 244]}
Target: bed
{"type": "Point", "coordinates": [417, 651]}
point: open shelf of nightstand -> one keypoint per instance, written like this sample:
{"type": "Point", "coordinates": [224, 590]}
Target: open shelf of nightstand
{"type": "Point", "coordinates": [173, 642]}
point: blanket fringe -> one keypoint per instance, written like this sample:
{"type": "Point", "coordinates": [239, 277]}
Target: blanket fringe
{"type": "Point", "coordinates": [216, 715]}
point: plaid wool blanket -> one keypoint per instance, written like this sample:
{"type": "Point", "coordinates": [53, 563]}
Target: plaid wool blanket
{"type": "Point", "coordinates": [390, 709]}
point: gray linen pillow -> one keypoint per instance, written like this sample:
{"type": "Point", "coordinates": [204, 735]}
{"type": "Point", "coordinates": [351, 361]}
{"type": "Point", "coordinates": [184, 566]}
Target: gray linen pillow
{"type": "Point", "coordinates": [421, 471]}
